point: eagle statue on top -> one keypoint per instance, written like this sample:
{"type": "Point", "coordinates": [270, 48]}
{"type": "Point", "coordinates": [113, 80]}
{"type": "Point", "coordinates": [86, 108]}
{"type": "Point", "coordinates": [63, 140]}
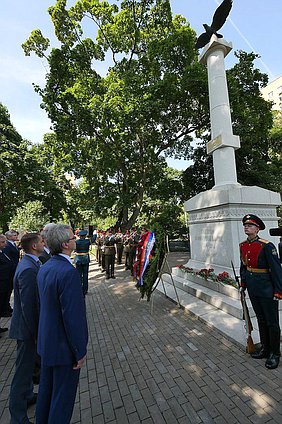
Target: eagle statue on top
{"type": "Point", "coordinates": [219, 18]}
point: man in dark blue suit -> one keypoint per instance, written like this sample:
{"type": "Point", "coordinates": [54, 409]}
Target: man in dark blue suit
{"type": "Point", "coordinates": [62, 333]}
{"type": "Point", "coordinates": [24, 326]}
{"type": "Point", "coordinates": [11, 250]}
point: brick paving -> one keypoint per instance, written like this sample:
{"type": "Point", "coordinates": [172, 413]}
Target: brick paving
{"type": "Point", "coordinates": [150, 362]}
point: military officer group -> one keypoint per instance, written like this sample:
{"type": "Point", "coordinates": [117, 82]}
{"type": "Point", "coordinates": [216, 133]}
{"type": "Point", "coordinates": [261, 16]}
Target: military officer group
{"type": "Point", "coordinates": [48, 318]}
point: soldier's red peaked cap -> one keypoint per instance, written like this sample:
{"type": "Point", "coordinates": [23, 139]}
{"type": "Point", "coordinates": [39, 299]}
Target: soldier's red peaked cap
{"type": "Point", "coordinates": [253, 219]}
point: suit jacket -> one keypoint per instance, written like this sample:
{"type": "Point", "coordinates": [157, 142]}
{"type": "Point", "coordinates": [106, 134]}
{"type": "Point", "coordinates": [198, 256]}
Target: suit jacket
{"type": "Point", "coordinates": [24, 323]}
{"type": "Point", "coordinates": [62, 333]}
{"type": "Point", "coordinates": [6, 273]}
{"type": "Point", "coordinates": [13, 253]}
{"type": "Point", "coordinates": [44, 257]}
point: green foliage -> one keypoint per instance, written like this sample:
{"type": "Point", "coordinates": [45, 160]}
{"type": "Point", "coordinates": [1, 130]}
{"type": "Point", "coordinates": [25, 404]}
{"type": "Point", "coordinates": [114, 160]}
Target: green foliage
{"type": "Point", "coordinates": [36, 43]}
{"type": "Point", "coordinates": [162, 208]}
{"type": "Point", "coordinates": [25, 174]}
{"type": "Point", "coordinates": [252, 120]}
{"type": "Point", "coordinates": [257, 160]}
{"type": "Point", "coordinates": [113, 130]}
{"type": "Point", "coordinates": [30, 217]}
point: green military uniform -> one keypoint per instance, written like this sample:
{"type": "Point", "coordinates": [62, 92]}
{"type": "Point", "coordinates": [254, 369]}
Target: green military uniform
{"type": "Point", "coordinates": [82, 259]}
{"type": "Point", "coordinates": [119, 245]}
{"type": "Point", "coordinates": [109, 252]}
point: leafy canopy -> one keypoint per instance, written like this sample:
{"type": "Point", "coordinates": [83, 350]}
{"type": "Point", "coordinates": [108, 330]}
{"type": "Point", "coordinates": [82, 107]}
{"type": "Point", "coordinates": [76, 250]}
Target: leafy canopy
{"type": "Point", "coordinates": [115, 128]}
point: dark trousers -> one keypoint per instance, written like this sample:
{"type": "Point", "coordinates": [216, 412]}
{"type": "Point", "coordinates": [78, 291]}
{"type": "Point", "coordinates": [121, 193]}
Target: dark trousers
{"type": "Point", "coordinates": [83, 270]}
{"type": "Point", "coordinates": [22, 386]}
{"type": "Point", "coordinates": [103, 264]}
{"type": "Point", "coordinates": [56, 397]}
{"type": "Point", "coordinates": [131, 259]}
{"type": "Point", "coordinates": [99, 255]}
{"type": "Point", "coordinates": [110, 265]}
{"type": "Point", "coordinates": [126, 260]}
{"type": "Point", "coordinates": [4, 300]}
{"type": "Point", "coordinates": [266, 310]}
{"type": "Point", "coordinates": [119, 252]}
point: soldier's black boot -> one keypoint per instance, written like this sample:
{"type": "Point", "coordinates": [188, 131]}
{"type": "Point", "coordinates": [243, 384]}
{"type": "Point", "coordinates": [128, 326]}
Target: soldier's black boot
{"type": "Point", "coordinates": [262, 353]}
{"type": "Point", "coordinates": [272, 362]}
{"type": "Point", "coordinates": [274, 336]}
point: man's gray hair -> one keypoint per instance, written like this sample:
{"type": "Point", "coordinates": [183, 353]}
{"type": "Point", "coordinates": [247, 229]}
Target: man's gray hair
{"type": "Point", "coordinates": [45, 230]}
{"type": "Point", "coordinates": [2, 236]}
{"type": "Point", "coordinates": [10, 233]}
{"type": "Point", "coordinates": [56, 236]}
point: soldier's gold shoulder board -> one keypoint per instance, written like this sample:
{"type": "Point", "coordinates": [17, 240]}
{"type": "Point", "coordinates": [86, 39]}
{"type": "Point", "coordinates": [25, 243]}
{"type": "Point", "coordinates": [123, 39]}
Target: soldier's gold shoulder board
{"type": "Point", "coordinates": [264, 241]}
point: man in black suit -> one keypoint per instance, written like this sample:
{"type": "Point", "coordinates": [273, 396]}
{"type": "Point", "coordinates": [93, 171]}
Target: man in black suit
{"type": "Point", "coordinates": [24, 326]}
{"type": "Point", "coordinates": [12, 251]}
{"type": "Point", "coordinates": [6, 276]}
{"type": "Point", "coordinates": [45, 255]}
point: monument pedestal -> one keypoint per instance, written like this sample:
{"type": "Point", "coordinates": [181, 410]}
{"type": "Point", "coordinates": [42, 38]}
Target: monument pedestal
{"type": "Point", "coordinates": [215, 223]}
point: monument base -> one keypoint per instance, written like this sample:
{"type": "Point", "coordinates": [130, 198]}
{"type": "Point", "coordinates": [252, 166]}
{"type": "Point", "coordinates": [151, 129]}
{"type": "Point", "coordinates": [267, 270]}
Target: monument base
{"type": "Point", "coordinates": [215, 223]}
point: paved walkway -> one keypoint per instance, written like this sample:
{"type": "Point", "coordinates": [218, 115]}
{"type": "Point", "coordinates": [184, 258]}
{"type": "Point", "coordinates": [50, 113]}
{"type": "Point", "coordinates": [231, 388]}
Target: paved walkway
{"type": "Point", "coordinates": [153, 363]}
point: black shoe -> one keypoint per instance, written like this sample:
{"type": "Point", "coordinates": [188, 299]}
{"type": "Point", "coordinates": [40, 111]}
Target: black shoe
{"type": "Point", "coordinates": [272, 362]}
{"type": "Point", "coordinates": [2, 330]}
{"type": "Point", "coordinates": [32, 401]}
{"type": "Point", "coordinates": [113, 276]}
{"type": "Point", "coordinates": [260, 354]}
{"type": "Point", "coordinates": [107, 277]}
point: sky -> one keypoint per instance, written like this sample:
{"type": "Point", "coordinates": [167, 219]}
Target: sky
{"type": "Point", "coordinates": [253, 25]}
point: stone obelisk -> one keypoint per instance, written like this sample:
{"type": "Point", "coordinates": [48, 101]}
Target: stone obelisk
{"type": "Point", "coordinates": [215, 215]}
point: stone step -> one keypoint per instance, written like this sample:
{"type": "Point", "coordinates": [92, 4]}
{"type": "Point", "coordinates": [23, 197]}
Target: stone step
{"type": "Point", "coordinates": [208, 306]}
{"type": "Point", "coordinates": [226, 303]}
{"type": "Point", "coordinates": [228, 325]}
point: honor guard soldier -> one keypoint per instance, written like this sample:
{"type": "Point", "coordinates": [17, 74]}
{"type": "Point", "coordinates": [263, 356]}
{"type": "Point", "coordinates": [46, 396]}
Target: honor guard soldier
{"type": "Point", "coordinates": [109, 252]}
{"type": "Point", "coordinates": [261, 275]}
{"type": "Point", "coordinates": [119, 244]}
{"type": "Point", "coordinates": [82, 258]}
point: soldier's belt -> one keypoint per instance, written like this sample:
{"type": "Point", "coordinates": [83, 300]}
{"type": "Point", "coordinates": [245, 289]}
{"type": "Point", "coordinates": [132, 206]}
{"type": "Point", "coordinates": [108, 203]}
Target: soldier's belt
{"type": "Point", "coordinates": [110, 246]}
{"type": "Point", "coordinates": [258, 270]}
{"type": "Point", "coordinates": [82, 253]}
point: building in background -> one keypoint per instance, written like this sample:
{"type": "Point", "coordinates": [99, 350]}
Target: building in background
{"type": "Point", "coordinates": [273, 92]}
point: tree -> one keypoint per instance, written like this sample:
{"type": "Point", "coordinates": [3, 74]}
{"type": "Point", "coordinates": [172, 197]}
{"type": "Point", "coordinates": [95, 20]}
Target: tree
{"type": "Point", "coordinates": [163, 204]}
{"type": "Point", "coordinates": [114, 130]}
{"type": "Point", "coordinates": [24, 176]}
{"type": "Point", "coordinates": [29, 217]}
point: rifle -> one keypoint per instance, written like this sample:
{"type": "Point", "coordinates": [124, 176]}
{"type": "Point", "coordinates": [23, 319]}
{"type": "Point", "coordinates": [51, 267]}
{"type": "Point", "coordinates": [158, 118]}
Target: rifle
{"type": "Point", "coordinates": [250, 348]}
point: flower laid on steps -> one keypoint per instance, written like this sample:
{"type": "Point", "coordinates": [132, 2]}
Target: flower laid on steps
{"type": "Point", "coordinates": [208, 274]}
